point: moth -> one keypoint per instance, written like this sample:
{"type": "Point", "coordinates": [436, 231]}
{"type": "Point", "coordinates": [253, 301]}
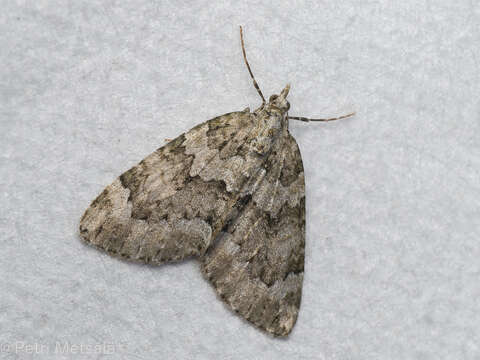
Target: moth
{"type": "Point", "coordinates": [229, 192]}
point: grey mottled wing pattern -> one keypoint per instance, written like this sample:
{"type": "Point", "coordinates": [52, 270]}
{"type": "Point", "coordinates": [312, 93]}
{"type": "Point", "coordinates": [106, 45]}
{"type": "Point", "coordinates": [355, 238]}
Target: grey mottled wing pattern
{"type": "Point", "coordinates": [214, 192]}
{"type": "Point", "coordinates": [256, 263]}
{"type": "Point", "coordinates": [174, 202]}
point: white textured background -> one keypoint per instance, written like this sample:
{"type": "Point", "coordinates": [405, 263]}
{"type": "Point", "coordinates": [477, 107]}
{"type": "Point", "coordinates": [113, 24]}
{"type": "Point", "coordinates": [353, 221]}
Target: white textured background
{"type": "Point", "coordinates": [88, 88]}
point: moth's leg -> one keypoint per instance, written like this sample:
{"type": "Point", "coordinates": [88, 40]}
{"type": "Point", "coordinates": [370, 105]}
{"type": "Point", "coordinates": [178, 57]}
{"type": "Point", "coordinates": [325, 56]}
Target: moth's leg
{"type": "Point", "coordinates": [301, 118]}
{"type": "Point", "coordinates": [250, 70]}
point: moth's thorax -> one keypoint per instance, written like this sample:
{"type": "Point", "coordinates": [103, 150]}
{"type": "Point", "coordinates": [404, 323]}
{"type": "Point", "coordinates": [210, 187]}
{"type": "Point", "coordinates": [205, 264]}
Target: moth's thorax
{"type": "Point", "coordinates": [271, 121]}
{"type": "Point", "coordinates": [270, 126]}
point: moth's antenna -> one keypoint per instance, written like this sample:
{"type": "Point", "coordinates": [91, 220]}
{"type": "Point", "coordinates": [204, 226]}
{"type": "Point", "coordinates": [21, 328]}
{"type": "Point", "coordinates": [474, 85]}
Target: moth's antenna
{"type": "Point", "coordinates": [329, 119]}
{"type": "Point", "coordinates": [248, 67]}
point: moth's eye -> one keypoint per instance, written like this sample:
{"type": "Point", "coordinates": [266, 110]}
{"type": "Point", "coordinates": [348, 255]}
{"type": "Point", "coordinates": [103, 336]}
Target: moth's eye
{"type": "Point", "coordinates": [273, 97]}
{"type": "Point", "coordinates": [288, 105]}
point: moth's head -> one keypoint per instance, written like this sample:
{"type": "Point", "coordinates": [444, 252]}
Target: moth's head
{"type": "Point", "coordinates": [280, 101]}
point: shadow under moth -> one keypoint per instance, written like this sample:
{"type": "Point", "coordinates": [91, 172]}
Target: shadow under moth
{"type": "Point", "coordinates": [229, 192]}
